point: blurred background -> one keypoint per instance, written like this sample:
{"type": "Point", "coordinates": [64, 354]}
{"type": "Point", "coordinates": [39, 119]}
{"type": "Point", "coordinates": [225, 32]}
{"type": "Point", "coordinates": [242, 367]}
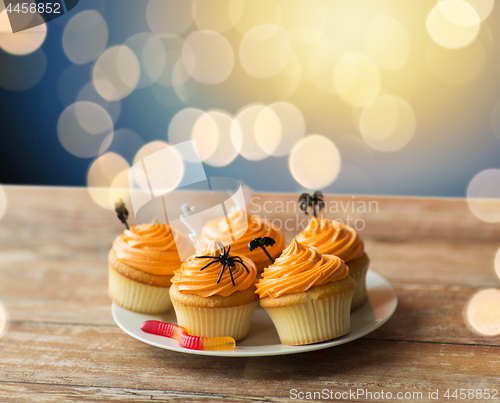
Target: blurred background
{"type": "Point", "coordinates": [386, 97]}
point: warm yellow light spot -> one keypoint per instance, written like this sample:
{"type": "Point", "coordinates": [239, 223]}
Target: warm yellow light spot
{"type": "Point", "coordinates": [148, 149]}
{"type": "Point", "coordinates": [456, 66]}
{"type": "Point", "coordinates": [387, 43]}
{"type": "Point", "coordinates": [4, 320]}
{"type": "Point", "coordinates": [173, 51]}
{"type": "Point", "coordinates": [85, 37]}
{"type": "Point", "coordinates": [217, 15]}
{"type": "Point", "coordinates": [356, 79]}
{"type": "Point", "coordinates": [483, 8]}
{"type": "Point", "coordinates": [172, 17]}
{"type": "Point", "coordinates": [3, 202]}
{"type": "Point", "coordinates": [182, 125]}
{"type": "Point", "coordinates": [265, 51]}
{"type": "Point", "coordinates": [305, 21]}
{"type": "Point", "coordinates": [243, 133]}
{"type": "Point", "coordinates": [453, 24]}
{"type": "Point", "coordinates": [22, 42]}
{"type": "Point", "coordinates": [314, 162]}
{"type": "Point", "coordinates": [208, 57]}
{"type": "Point", "coordinates": [497, 263]}
{"type": "Point", "coordinates": [116, 73]}
{"type": "Point", "coordinates": [82, 128]}
{"type": "Point", "coordinates": [388, 123]}
{"type": "Point", "coordinates": [102, 173]}
{"type": "Point", "coordinates": [184, 85]}
{"type": "Point", "coordinates": [279, 127]}
{"type": "Point", "coordinates": [483, 195]}
{"type": "Point", "coordinates": [482, 312]}
{"type": "Point", "coordinates": [321, 62]}
{"type": "Point", "coordinates": [206, 134]}
{"type": "Point", "coordinates": [225, 152]}
{"type": "Point", "coordinates": [254, 13]}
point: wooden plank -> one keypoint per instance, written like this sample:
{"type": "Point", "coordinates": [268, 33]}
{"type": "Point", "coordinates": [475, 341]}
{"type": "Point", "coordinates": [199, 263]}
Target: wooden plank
{"type": "Point", "coordinates": [105, 357]}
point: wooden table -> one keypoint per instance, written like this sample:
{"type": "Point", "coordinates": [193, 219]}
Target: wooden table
{"type": "Point", "coordinates": [62, 344]}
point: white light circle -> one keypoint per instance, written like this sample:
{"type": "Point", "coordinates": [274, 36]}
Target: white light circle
{"type": "Point", "coordinates": [483, 195]}
{"type": "Point", "coordinates": [82, 128]}
{"type": "Point", "coordinates": [23, 42]}
{"type": "Point", "coordinates": [88, 93]}
{"type": "Point", "coordinates": [305, 21]}
{"type": "Point", "coordinates": [497, 263]}
{"type": "Point", "coordinates": [217, 15]}
{"type": "Point", "coordinates": [182, 124]}
{"type": "Point", "coordinates": [225, 152]}
{"type": "Point", "coordinates": [254, 13]}
{"type": "Point", "coordinates": [265, 50]}
{"type": "Point", "coordinates": [482, 312]}
{"type": "Point", "coordinates": [314, 162]}
{"type": "Point", "coordinates": [278, 127]}
{"type": "Point", "coordinates": [85, 37]}
{"type": "Point", "coordinates": [206, 134]}
{"type": "Point", "coordinates": [116, 73]}
{"type": "Point", "coordinates": [208, 57]}
{"type": "Point", "coordinates": [483, 8]}
{"type": "Point", "coordinates": [388, 123]}
{"type": "Point", "coordinates": [243, 133]}
{"type": "Point", "coordinates": [171, 17]}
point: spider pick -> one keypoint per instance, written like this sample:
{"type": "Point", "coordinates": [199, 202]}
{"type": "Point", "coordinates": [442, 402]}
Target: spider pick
{"type": "Point", "coordinates": [121, 212]}
{"type": "Point", "coordinates": [314, 202]}
{"type": "Point", "coordinates": [262, 243]}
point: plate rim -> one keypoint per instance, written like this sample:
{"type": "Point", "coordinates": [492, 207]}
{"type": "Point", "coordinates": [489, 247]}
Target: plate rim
{"type": "Point", "coordinates": [290, 349]}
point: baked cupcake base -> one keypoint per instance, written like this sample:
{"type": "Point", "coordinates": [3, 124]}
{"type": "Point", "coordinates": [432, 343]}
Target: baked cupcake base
{"type": "Point", "coordinates": [215, 316]}
{"type": "Point", "coordinates": [319, 314]}
{"type": "Point", "coordinates": [357, 270]}
{"type": "Point", "coordinates": [137, 291]}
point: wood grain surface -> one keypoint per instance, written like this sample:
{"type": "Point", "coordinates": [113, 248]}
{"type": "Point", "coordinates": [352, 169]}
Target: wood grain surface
{"type": "Point", "coordinates": [61, 343]}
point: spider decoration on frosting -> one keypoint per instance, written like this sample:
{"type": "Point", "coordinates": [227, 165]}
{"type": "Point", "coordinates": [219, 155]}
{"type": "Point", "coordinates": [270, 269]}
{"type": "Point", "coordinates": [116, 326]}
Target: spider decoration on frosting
{"type": "Point", "coordinates": [225, 260]}
{"type": "Point", "coordinates": [316, 200]}
{"type": "Point", "coordinates": [121, 212]}
{"type": "Point", "coordinates": [262, 243]}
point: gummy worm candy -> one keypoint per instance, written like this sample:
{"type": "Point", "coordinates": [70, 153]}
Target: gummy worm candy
{"type": "Point", "coordinates": [185, 340]}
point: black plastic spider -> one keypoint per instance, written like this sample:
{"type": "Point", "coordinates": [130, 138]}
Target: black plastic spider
{"type": "Point", "coordinates": [226, 260]}
{"type": "Point", "coordinates": [306, 201]}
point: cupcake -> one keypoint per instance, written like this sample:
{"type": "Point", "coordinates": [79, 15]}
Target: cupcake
{"type": "Point", "coordinates": [141, 264]}
{"type": "Point", "coordinates": [257, 227]}
{"type": "Point", "coordinates": [334, 238]}
{"type": "Point", "coordinates": [213, 293]}
{"type": "Point", "coordinates": [307, 295]}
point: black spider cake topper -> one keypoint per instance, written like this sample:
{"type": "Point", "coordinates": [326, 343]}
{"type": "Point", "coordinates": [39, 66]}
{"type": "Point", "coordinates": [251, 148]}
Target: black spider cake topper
{"type": "Point", "coordinates": [121, 212]}
{"type": "Point", "coordinates": [306, 201]}
{"type": "Point", "coordinates": [225, 260]}
{"type": "Point", "coordinates": [262, 243]}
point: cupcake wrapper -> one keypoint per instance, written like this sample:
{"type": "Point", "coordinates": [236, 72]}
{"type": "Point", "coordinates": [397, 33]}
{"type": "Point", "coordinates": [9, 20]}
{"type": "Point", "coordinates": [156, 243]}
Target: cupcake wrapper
{"type": "Point", "coordinates": [215, 322]}
{"type": "Point", "coordinates": [313, 321]}
{"type": "Point", "coordinates": [360, 295]}
{"type": "Point", "coordinates": [138, 297]}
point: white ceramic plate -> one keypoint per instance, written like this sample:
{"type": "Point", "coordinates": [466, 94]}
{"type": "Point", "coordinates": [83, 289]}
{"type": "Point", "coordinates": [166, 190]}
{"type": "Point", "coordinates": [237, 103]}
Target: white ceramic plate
{"type": "Point", "coordinates": [263, 339]}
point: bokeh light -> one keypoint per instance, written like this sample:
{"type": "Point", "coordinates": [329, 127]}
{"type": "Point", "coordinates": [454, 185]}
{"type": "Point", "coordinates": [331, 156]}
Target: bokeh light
{"type": "Point", "coordinates": [82, 128]}
{"type": "Point", "coordinates": [148, 149]}
{"type": "Point", "coordinates": [22, 73]}
{"type": "Point", "coordinates": [254, 13]}
{"type": "Point", "coordinates": [173, 51]}
{"type": "Point", "coordinates": [182, 124]}
{"type": "Point", "coordinates": [387, 43]}
{"type": "Point", "coordinates": [89, 93]}
{"type": "Point", "coordinates": [184, 85]}
{"type": "Point", "coordinates": [243, 133]}
{"type": "Point", "coordinates": [456, 66]}
{"type": "Point", "coordinates": [3, 202]}
{"type": "Point", "coordinates": [356, 79]}
{"type": "Point", "coordinates": [124, 142]}
{"type": "Point", "coordinates": [453, 24]}
{"type": "Point", "coordinates": [217, 15]}
{"type": "Point", "coordinates": [116, 73]}
{"type": "Point", "coordinates": [106, 170]}
{"type": "Point", "coordinates": [265, 50]}
{"type": "Point", "coordinates": [483, 195]}
{"type": "Point", "coordinates": [321, 61]}
{"type": "Point", "coordinates": [208, 57]}
{"type": "Point", "coordinates": [388, 123]}
{"type": "Point", "coordinates": [4, 320]}
{"type": "Point", "coordinates": [482, 312]}
{"type": "Point", "coordinates": [85, 37]}
{"type": "Point", "coordinates": [314, 162]}
{"type": "Point", "coordinates": [225, 152]}
{"type": "Point", "coordinates": [305, 21]}
{"type": "Point", "coordinates": [171, 17]}
{"type": "Point", "coordinates": [497, 263]}
{"type": "Point", "coordinates": [151, 55]}
{"type": "Point", "coordinates": [483, 8]}
{"type": "Point", "coordinates": [206, 134]}
{"type": "Point", "coordinates": [23, 42]}
{"type": "Point", "coordinates": [278, 127]}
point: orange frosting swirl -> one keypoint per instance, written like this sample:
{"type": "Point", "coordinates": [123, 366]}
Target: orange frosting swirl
{"type": "Point", "coordinates": [257, 227]}
{"type": "Point", "coordinates": [152, 248]}
{"type": "Point", "coordinates": [332, 238]}
{"type": "Point", "coordinates": [191, 280]}
{"type": "Point", "coordinates": [298, 269]}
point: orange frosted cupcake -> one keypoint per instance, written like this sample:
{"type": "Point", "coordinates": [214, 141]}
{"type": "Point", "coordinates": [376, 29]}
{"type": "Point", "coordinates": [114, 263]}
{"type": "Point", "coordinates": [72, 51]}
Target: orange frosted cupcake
{"type": "Point", "coordinates": [214, 294]}
{"type": "Point", "coordinates": [141, 264]}
{"type": "Point", "coordinates": [307, 295]}
{"type": "Point", "coordinates": [334, 238]}
{"type": "Point", "coordinates": [257, 227]}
